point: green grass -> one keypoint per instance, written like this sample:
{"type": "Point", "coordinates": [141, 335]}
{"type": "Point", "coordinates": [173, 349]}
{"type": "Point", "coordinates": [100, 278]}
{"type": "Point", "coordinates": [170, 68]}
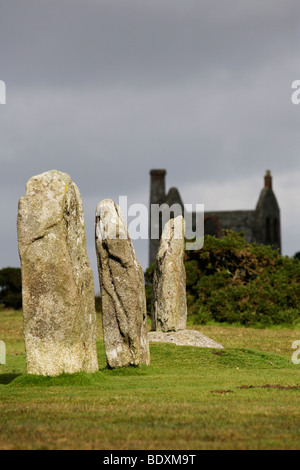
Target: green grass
{"type": "Point", "coordinates": [169, 405]}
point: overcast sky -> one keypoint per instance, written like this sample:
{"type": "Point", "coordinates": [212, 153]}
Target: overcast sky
{"type": "Point", "coordinates": [105, 90]}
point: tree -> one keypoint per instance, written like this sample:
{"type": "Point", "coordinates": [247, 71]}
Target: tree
{"type": "Point", "coordinates": [11, 287]}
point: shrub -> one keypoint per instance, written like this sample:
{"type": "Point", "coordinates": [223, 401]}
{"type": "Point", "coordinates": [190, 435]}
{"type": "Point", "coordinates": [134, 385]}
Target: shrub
{"type": "Point", "coordinates": [148, 287]}
{"type": "Point", "coordinates": [98, 305]}
{"type": "Point", "coordinates": [11, 288]}
{"type": "Point", "coordinates": [230, 280]}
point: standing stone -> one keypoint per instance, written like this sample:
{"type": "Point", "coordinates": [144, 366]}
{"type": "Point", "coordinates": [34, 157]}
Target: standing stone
{"type": "Point", "coordinates": [169, 309]}
{"type": "Point", "coordinates": [122, 286]}
{"type": "Point", "coordinates": [57, 281]}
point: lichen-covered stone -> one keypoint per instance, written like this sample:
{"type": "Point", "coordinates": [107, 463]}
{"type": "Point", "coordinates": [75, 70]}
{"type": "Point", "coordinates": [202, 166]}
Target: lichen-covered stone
{"type": "Point", "coordinates": [122, 287]}
{"type": "Point", "coordinates": [57, 281]}
{"type": "Point", "coordinates": [169, 309]}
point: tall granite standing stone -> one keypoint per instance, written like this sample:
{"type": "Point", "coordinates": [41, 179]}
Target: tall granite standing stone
{"type": "Point", "coordinates": [122, 286]}
{"type": "Point", "coordinates": [57, 281]}
{"type": "Point", "coordinates": [169, 309]}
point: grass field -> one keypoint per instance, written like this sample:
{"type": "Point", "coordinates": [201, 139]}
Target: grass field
{"type": "Point", "coordinates": [189, 398]}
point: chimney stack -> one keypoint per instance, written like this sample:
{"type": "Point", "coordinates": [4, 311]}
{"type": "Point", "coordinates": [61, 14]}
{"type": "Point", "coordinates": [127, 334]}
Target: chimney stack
{"type": "Point", "coordinates": [157, 196]}
{"type": "Point", "coordinates": [157, 187]}
{"type": "Point", "coordinates": [268, 179]}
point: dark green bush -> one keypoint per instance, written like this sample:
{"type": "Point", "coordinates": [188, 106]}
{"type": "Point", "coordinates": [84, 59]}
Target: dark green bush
{"type": "Point", "coordinates": [11, 288]}
{"type": "Point", "coordinates": [230, 280]}
{"type": "Point", "coordinates": [98, 305]}
{"type": "Point", "coordinates": [148, 287]}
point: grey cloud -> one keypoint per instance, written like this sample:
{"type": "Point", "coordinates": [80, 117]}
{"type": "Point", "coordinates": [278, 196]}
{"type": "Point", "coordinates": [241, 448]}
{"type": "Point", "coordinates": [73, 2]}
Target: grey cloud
{"type": "Point", "coordinates": [105, 90]}
{"type": "Point", "coordinates": [65, 42]}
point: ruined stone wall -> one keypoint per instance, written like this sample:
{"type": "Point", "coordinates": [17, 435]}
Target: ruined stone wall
{"type": "Point", "coordinates": [238, 221]}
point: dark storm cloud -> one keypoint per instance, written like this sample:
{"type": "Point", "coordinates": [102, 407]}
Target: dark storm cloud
{"type": "Point", "coordinates": [105, 90]}
{"type": "Point", "coordinates": [142, 43]}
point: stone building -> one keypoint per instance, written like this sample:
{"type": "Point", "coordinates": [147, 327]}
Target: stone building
{"type": "Point", "coordinates": [261, 225]}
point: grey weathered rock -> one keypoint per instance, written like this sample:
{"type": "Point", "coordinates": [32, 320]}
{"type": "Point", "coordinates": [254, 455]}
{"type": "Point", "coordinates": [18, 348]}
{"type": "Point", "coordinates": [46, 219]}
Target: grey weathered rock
{"type": "Point", "coordinates": [184, 338]}
{"type": "Point", "coordinates": [122, 286]}
{"type": "Point", "coordinates": [169, 309]}
{"type": "Point", "coordinates": [57, 281]}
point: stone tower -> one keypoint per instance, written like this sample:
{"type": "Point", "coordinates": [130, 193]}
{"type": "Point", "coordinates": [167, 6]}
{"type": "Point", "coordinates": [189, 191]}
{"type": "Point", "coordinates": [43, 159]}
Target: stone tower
{"type": "Point", "coordinates": [268, 216]}
{"type": "Point", "coordinates": [157, 196]}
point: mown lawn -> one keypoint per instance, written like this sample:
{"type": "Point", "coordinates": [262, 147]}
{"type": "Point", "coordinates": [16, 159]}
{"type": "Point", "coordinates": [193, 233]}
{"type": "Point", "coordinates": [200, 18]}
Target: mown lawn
{"type": "Point", "coordinates": [170, 405]}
